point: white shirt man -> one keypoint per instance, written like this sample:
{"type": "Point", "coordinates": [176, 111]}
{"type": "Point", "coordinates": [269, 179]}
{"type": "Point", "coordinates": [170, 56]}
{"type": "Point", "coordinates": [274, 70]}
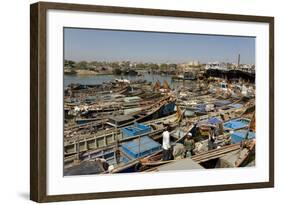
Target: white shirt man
{"type": "Point", "coordinates": [166, 140]}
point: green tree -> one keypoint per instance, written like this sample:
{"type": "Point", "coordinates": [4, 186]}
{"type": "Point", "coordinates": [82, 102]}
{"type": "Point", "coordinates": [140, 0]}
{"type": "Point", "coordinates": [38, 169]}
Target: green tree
{"type": "Point", "coordinates": [115, 65]}
{"type": "Point", "coordinates": [163, 67]}
{"type": "Point", "coordinates": [140, 66]}
{"type": "Point", "coordinates": [117, 71]}
{"type": "Point", "coordinates": [82, 65]}
{"type": "Point", "coordinates": [173, 66]}
{"type": "Point", "coordinates": [153, 67]}
{"type": "Point", "coordinates": [71, 64]}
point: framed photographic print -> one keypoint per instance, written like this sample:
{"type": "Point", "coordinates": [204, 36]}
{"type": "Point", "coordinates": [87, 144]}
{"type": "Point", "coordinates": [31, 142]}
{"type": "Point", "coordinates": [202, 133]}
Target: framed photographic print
{"type": "Point", "coordinates": [135, 102]}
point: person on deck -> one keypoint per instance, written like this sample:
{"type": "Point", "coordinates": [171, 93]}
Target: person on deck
{"type": "Point", "coordinates": [117, 156]}
{"type": "Point", "coordinates": [211, 140]}
{"type": "Point", "coordinates": [166, 146]}
{"type": "Point", "coordinates": [179, 151]}
{"type": "Point", "coordinates": [193, 130]}
{"type": "Point", "coordinates": [103, 163]}
{"type": "Point", "coordinates": [189, 145]}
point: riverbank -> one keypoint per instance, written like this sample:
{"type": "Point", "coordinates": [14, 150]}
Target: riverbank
{"type": "Point", "coordinates": [85, 73]}
{"type": "Point", "coordinates": [101, 78]}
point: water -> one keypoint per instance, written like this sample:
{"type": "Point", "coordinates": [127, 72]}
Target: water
{"type": "Point", "coordinates": [99, 79]}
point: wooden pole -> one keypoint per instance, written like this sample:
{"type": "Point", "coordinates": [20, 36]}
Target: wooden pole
{"type": "Point", "coordinates": [139, 146]}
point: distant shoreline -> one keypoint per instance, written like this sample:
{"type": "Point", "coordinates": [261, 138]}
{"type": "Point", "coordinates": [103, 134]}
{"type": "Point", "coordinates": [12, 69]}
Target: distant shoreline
{"type": "Point", "coordinates": [99, 74]}
{"type": "Point", "coordinates": [85, 73]}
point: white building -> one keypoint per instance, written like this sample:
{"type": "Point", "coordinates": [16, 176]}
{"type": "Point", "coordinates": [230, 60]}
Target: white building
{"type": "Point", "coordinates": [216, 66]}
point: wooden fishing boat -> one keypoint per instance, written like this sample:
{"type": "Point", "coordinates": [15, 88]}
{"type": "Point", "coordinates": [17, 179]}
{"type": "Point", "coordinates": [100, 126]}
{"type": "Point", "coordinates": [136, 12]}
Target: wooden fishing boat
{"type": "Point", "coordinates": [87, 139]}
{"type": "Point", "coordinates": [163, 107]}
{"type": "Point", "coordinates": [239, 157]}
{"type": "Point", "coordinates": [146, 134]}
{"type": "Point", "coordinates": [225, 145]}
{"type": "Point", "coordinates": [92, 131]}
{"type": "Point", "coordinates": [130, 150]}
{"type": "Point", "coordinates": [136, 165]}
{"type": "Point", "coordinates": [91, 95]}
{"type": "Point", "coordinates": [113, 105]}
{"type": "Point", "coordinates": [230, 152]}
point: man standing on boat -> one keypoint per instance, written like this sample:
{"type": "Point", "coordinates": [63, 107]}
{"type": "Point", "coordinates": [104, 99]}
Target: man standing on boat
{"type": "Point", "coordinates": [167, 154]}
{"type": "Point", "coordinates": [211, 139]}
{"type": "Point", "coordinates": [189, 145]}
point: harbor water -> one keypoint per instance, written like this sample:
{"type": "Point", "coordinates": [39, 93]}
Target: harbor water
{"type": "Point", "coordinates": [99, 79]}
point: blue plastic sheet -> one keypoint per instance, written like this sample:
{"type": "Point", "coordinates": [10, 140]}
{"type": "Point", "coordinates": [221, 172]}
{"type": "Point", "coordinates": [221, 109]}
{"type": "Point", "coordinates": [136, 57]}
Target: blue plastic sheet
{"type": "Point", "coordinates": [214, 120]}
{"type": "Point", "coordinates": [236, 124]}
{"type": "Point", "coordinates": [240, 135]}
{"type": "Point", "coordinates": [141, 147]}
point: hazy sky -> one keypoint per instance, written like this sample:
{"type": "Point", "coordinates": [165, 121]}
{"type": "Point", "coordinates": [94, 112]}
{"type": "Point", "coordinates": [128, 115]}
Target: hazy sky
{"type": "Point", "coordinates": [109, 45]}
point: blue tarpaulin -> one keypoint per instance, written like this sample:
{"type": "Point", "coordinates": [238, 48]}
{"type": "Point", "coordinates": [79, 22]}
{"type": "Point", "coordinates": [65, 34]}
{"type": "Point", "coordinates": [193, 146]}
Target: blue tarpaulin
{"type": "Point", "coordinates": [210, 121]}
{"type": "Point", "coordinates": [134, 130]}
{"type": "Point", "coordinates": [141, 147]}
{"type": "Point", "coordinates": [240, 135]}
{"type": "Point", "coordinates": [236, 124]}
{"type": "Point", "coordinates": [214, 120]}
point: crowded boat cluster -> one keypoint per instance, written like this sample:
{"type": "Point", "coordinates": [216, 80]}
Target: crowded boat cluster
{"type": "Point", "coordinates": [124, 126]}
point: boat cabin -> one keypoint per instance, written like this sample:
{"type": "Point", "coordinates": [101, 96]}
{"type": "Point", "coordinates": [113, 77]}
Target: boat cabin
{"type": "Point", "coordinates": [224, 86]}
{"type": "Point", "coordinates": [117, 121]}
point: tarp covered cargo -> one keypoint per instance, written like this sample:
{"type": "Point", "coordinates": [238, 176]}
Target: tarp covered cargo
{"type": "Point", "coordinates": [236, 124]}
{"type": "Point", "coordinates": [134, 130]}
{"type": "Point", "coordinates": [240, 135]}
{"type": "Point", "coordinates": [140, 147]}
